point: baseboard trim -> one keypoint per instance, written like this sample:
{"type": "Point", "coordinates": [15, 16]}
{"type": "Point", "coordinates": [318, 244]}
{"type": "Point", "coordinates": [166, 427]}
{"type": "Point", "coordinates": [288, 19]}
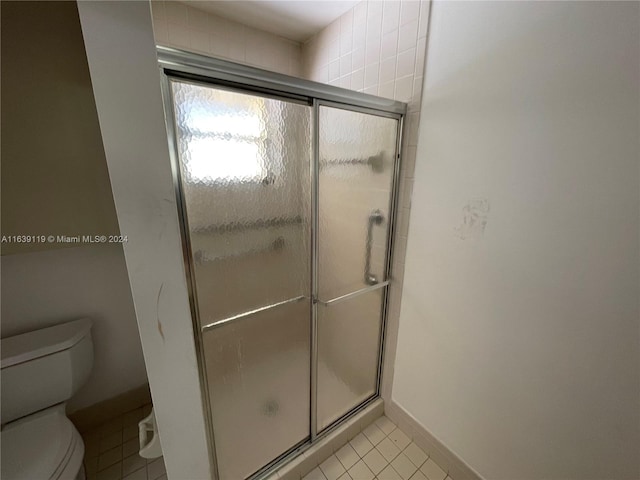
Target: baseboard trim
{"type": "Point", "coordinates": [445, 458]}
{"type": "Point", "coordinates": [101, 412]}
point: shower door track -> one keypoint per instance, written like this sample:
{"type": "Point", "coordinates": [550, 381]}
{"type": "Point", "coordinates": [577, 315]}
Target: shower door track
{"type": "Point", "coordinates": [176, 63]}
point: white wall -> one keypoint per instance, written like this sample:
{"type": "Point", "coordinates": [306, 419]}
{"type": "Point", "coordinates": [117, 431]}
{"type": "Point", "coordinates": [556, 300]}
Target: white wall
{"type": "Point", "coordinates": [55, 182]}
{"type": "Point", "coordinates": [120, 49]}
{"type": "Point", "coordinates": [183, 26]}
{"type": "Point", "coordinates": [519, 341]}
{"type": "Point", "coordinates": [44, 288]}
{"type": "Point", "coordinates": [44, 69]}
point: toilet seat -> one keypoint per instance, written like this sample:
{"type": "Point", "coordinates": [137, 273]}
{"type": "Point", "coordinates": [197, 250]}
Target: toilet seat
{"type": "Point", "coordinates": [41, 446]}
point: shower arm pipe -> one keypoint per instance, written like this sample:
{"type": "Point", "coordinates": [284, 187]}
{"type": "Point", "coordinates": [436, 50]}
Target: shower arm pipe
{"type": "Point", "coordinates": [375, 218]}
{"type": "Point", "coordinates": [376, 162]}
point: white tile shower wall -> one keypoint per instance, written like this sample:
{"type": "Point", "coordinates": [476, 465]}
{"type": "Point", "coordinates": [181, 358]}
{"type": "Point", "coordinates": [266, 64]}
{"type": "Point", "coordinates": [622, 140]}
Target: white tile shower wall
{"type": "Point", "coordinates": [376, 47]}
{"type": "Point", "coordinates": [182, 26]}
{"type": "Point", "coordinates": [379, 48]}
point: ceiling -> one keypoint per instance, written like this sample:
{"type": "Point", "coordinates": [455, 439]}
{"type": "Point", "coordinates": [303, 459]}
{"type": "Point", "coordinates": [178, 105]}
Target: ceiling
{"type": "Point", "coordinates": [293, 19]}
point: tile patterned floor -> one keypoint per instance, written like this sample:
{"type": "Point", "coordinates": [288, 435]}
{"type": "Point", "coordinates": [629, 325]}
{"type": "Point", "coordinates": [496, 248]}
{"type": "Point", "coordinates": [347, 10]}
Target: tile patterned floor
{"type": "Point", "coordinates": [111, 451]}
{"type": "Point", "coordinates": [381, 452]}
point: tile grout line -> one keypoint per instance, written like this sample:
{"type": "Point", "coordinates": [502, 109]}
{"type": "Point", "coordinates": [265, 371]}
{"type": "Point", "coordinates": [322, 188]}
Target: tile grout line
{"type": "Point", "coordinates": [117, 438]}
{"type": "Point", "coordinates": [387, 463]}
{"type": "Point", "coordinates": [115, 470]}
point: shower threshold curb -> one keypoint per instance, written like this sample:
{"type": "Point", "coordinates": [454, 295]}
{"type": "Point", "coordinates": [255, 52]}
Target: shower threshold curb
{"type": "Point", "coordinates": [300, 462]}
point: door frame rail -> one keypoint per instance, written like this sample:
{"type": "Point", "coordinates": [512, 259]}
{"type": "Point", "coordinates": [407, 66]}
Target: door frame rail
{"type": "Point", "coordinates": [357, 293]}
{"type": "Point", "coordinates": [249, 313]}
{"type": "Point", "coordinates": [180, 62]}
{"type": "Point", "coordinates": [188, 262]}
{"type": "Point", "coordinates": [393, 215]}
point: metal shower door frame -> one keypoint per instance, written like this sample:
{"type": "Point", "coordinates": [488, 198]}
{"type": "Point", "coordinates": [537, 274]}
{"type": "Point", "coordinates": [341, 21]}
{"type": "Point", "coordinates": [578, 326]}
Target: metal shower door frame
{"type": "Point", "coordinates": [184, 65]}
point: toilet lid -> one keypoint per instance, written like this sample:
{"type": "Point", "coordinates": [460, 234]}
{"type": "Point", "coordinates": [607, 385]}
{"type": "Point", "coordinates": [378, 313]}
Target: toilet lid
{"type": "Point", "coordinates": [37, 446]}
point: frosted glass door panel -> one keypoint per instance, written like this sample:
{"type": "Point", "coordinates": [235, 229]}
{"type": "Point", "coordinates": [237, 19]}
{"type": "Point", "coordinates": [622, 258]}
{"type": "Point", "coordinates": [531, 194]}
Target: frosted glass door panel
{"type": "Point", "coordinates": [258, 378]}
{"type": "Point", "coordinates": [355, 184]}
{"type": "Point", "coordinates": [348, 346]}
{"type": "Point", "coordinates": [244, 165]}
{"type": "Point", "coordinates": [357, 159]}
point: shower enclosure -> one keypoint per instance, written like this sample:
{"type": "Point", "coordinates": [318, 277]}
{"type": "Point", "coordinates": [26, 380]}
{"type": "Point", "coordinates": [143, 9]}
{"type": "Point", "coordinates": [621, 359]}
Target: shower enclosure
{"type": "Point", "coordinates": [287, 193]}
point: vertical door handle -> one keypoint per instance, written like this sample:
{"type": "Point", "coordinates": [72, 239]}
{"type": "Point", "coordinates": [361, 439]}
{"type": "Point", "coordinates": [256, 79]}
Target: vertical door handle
{"type": "Point", "coordinates": [375, 218]}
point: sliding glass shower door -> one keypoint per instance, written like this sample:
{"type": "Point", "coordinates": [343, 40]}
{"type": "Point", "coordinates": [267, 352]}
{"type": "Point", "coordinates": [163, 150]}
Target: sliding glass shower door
{"type": "Point", "coordinates": [357, 159]}
{"type": "Point", "coordinates": [285, 207]}
{"type": "Point", "coordinates": [244, 170]}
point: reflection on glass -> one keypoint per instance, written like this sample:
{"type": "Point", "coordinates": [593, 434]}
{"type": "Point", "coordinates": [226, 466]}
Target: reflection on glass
{"type": "Point", "coordinates": [244, 163]}
{"type": "Point", "coordinates": [258, 377]}
{"type": "Point", "coordinates": [348, 346]}
{"type": "Point", "coordinates": [200, 168]}
{"type": "Point", "coordinates": [224, 137]}
{"type": "Point", "coordinates": [357, 159]}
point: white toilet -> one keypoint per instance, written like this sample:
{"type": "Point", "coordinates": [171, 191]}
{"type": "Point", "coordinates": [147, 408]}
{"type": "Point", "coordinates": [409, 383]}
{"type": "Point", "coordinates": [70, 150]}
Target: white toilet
{"type": "Point", "coordinates": [41, 370]}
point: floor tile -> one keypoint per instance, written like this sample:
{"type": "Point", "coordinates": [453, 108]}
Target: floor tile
{"type": "Point", "coordinates": [130, 447]}
{"type": "Point", "coordinates": [386, 425]}
{"type": "Point", "coordinates": [132, 463]}
{"type": "Point", "coordinates": [394, 457]}
{"type": "Point", "coordinates": [91, 465]}
{"type": "Point", "coordinates": [347, 456]}
{"type": "Point", "coordinates": [114, 472]}
{"type": "Point", "coordinates": [155, 469]}
{"type": "Point", "coordinates": [315, 474]}
{"type": "Point", "coordinates": [109, 457]}
{"type": "Point", "coordinates": [360, 471]}
{"type": "Point", "coordinates": [90, 436]}
{"type": "Point", "coordinates": [374, 434]}
{"type": "Point", "coordinates": [415, 454]}
{"type": "Point", "coordinates": [381, 452]}
{"type": "Point", "coordinates": [110, 427]}
{"type": "Point", "coordinates": [111, 451]}
{"type": "Point", "coordinates": [432, 470]}
{"type": "Point", "coordinates": [361, 444]}
{"type": "Point", "coordinates": [332, 468]}
{"type": "Point", "coordinates": [418, 476]}
{"type": "Point", "coordinates": [140, 474]}
{"type": "Point", "coordinates": [403, 466]}
{"type": "Point", "coordinates": [375, 461]}
{"type": "Point", "coordinates": [389, 474]}
{"type": "Point", "coordinates": [110, 441]}
{"type": "Point", "coordinates": [399, 438]}
{"type": "Point", "coordinates": [130, 432]}
{"type": "Point", "coordinates": [91, 447]}
{"type": "Point", "coordinates": [132, 417]}
{"type": "Point", "coordinates": [388, 449]}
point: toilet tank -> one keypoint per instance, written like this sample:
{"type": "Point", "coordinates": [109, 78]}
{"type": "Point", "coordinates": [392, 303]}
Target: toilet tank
{"type": "Point", "coordinates": [44, 367]}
